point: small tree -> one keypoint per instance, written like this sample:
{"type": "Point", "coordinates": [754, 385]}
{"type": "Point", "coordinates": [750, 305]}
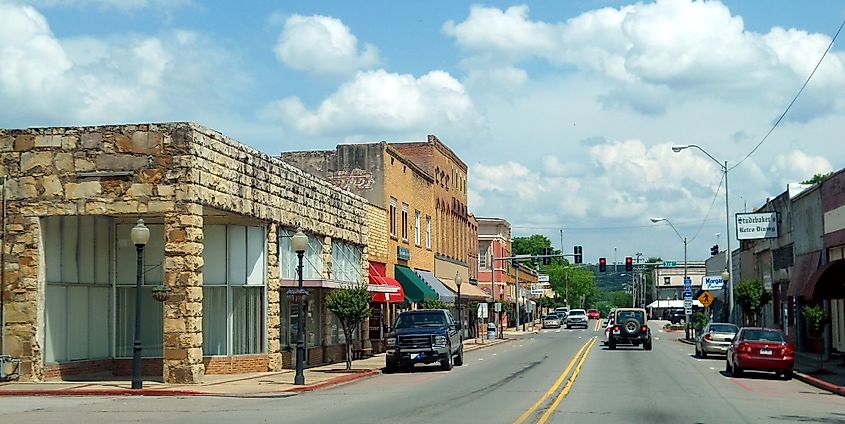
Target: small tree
{"type": "Point", "coordinates": [433, 304]}
{"type": "Point", "coordinates": [352, 306]}
{"type": "Point", "coordinates": [816, 317]}
{"type": "Point", "coordinates": [751, 297]}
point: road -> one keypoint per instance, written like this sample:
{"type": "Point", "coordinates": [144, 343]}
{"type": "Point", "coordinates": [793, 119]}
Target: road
{"type": "Point", "coordinates": [529, 380]}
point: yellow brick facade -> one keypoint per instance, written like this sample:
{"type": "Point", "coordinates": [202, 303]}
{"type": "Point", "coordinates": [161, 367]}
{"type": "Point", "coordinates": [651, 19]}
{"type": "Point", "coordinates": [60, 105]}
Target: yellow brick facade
{"type": "Point", "coordinates": [378, 234]}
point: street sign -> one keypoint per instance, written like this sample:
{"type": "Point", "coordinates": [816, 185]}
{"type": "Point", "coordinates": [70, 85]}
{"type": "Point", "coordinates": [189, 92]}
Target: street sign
{"type": "Point", "coordinates": [712, 282]}
{"type": "Point", "coordinates": [706, 299]}
{"type": "Point", "coordinates": [543, 278]}
{"type": "Point", "coordinates": [687, 306]}
{"type": "Point", "coordinates": [670, 263]}
{"type": "Point", "coordinates": [687, 293]}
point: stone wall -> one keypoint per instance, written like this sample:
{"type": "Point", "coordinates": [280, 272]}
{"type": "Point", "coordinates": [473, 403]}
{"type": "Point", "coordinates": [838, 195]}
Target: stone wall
{"type": "Point", "coordinates": [177, 172]}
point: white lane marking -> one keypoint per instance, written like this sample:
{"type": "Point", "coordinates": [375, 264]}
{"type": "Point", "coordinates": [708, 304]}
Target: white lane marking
{"type": "Point", "coordinates": [714, 369]}
{"type": "Point", "coordinates": [579, 337]}
{"type": "Point", "coordinates": [480, 359]}
{"type": "Point", "coordinates": [494, 354]}
{"type": "Point", "coordinates": [521, 345]}
{"type": "Point", "coordinates": [558, 331]}
{"type": "Point", "coordinates": [657, 338]}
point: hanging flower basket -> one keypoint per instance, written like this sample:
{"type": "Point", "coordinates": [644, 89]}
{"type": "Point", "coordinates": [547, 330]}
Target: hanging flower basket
{"type": "Point", "coordinates": [161, 293]}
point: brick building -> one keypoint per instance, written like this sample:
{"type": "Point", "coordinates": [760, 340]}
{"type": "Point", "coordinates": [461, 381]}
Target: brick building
{"type": "Point", "coordinates": [219, 215]}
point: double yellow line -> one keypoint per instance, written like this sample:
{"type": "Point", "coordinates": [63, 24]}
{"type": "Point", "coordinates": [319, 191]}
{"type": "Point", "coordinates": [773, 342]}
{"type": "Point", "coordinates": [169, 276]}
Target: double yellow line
{"type": "Point", "coordinates": [579, 357]}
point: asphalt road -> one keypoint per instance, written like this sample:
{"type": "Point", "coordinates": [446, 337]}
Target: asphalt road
{"type": "Point", "coordinates": [521, 381]}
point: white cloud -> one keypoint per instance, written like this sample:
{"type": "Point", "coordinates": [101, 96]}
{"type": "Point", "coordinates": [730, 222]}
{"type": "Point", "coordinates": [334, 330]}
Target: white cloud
{"type": "Point", "coordinates": [796, 166]}
{"type": "Point", "coordinates": [671, 50]}
{"type": "Point", "coordinates": [323, 45]}
{"type": "Point", "coordinates": [379, 102]}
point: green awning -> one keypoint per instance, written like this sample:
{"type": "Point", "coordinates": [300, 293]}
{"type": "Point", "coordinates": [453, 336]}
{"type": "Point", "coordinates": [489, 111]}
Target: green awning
{"type": "Point", "coordinates": [416, 290]}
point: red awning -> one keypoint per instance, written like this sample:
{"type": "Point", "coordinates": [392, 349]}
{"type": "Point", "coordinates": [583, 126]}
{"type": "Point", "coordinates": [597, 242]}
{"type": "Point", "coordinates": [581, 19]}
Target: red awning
{"type": "Point", "coordinates": [398, 296]}
{"type": "Point", "coordinates": [803, 268]}
{"type": "Point", "coordinates": [810, 291]}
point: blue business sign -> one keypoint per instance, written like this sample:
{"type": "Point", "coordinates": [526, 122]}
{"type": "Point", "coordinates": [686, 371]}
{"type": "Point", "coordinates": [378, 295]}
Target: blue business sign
{"type": "Point", "coordinates": [712, 283]}
{"type": "Point", "coordinates": [403, 253]}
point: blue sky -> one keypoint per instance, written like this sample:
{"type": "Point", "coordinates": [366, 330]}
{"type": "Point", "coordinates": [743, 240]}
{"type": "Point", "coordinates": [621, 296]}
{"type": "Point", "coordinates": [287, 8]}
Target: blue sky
{"type": "Point", "coordinates": [564, 111]}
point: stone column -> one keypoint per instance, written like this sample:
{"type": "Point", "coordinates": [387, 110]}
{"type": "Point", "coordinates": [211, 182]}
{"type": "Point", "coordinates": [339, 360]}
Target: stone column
{"type": "Point", "coordinates": [183, 311]}
{"type": "Point", "coordinates": [274, 301]}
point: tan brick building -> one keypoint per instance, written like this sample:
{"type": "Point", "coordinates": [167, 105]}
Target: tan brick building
{"type": "Point", "coordinates": [219, 214]}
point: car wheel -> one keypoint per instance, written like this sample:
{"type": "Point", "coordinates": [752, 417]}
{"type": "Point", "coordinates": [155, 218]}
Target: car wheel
{"type": "Point", "coordinates": [459, 360]}
{"type": "Point", "coordinates": [390, 367]}
{"type": "Point", "coordinates": [736, 371]}
{"type": "Point", "coordinates": [787, 375]}
{"type": "Point", "coordinates": [611, 345]}
{"type": "Point", "coordinates": [728, 369]}
{"type": "Point", "coordinates": [446, 364]}
{"type": "Point", "coordinates": [697, 353]}
{"type": "Point", "coordinates": [647, 344]}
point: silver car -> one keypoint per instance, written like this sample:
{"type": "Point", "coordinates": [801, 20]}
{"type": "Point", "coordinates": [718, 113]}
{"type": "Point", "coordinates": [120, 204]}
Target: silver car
{"type": "Point", "coordinates": [715, 339]}
{"type": "Point", "coordinates": [577, 318]}
{"type": "Point", "coordinates": [551, 321]}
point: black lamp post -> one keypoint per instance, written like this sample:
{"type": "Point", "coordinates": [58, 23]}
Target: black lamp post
{"type": "Point", "coordinates": [458, 281]}
{"type": "Point", "coordinates": [299, 241]}
{"type": "Point", "coordinates": [140, 236]}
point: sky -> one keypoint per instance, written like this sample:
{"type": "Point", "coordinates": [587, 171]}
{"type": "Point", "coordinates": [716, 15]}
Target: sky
{"type": "Point", "coordinates": [564, 111]}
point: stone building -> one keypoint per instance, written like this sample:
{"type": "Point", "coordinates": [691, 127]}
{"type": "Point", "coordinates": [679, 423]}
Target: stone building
{"type": "Point", "coordinates": [219, 214]}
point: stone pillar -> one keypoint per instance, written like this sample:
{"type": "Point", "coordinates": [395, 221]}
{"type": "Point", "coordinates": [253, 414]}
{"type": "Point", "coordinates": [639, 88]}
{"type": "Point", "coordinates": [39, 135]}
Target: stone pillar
{"type": "Point", "coordinates": [326, 320]}
{"type": "Point", "coordinates": [22, 297]}
{"type": "Point", "coordinates": [274, 301]}
{"type": "Point", "coordinates": [183, 311]}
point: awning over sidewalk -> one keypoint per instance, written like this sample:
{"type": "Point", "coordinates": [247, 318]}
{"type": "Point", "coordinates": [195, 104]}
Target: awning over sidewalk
{"type": "Point", "coordinates": [416, 290]}
{"type": "Point", "coordinates": [468, 291]}
{"type": "Point", "coordinates": [804, 267]}
{"type": "Point", "coordinates": [378, 277]}
{"type": "Point", "coordinates": [672, 304]}
{"type": "Point", "coordinates": [446, 295]}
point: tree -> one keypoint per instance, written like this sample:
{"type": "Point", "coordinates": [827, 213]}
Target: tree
{"type": "Point", "coordinates": [433, 304]}
{"type": "Point", "coordinates": [751, 297]}
{"type": "Point", "coordinates": [817, 178]}
{"type": "Point", "coordinates": [532, 245]}
{"type": "Point", "coordinates": [816, 317]}
{"type": "Point", "coordinates": [352, 306]}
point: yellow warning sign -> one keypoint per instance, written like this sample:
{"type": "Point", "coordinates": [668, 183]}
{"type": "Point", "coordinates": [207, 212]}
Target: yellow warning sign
{"type": "Point", "coordinates": [706, 299]}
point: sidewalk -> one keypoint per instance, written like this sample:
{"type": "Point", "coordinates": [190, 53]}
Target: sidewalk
{"type": "Point", "coordinates": [267, 384]}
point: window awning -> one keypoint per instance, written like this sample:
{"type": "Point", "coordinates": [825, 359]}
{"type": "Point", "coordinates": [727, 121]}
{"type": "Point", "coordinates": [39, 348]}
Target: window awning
{"type": "Point", "coordinates": [445, 295]}
{"type": "Point", "coordinates": [468, 291]}
{"type": "Point", "coordinates": [378, 278]}
{"type": "Point", "coordinates": [416, 290]}
{"type": "Point", "coordinates": [802, 269]}
{"type": "Point", "coordinates": [674, 304]}
{"type": "Point", "coordinates": [818, 290]}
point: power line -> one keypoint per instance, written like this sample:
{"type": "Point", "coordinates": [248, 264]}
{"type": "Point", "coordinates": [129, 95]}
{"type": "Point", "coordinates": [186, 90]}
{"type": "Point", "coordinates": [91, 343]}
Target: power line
{"type": "Point", "coordinates": [793, 99]}
{"type": "Point", "coordinates": [618, 227]}
{"type": "Point", "coordinates": [707, 215]}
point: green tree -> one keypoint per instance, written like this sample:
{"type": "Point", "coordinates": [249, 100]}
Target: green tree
{"type": "Point", "coordinates": [817, 178]}
{"type": "Point", "coordinates": [352, 306]}
{"type": "Point", "coordinates": [531, 245]}
{"type": "Point", "coordinates": [618, 299]}
{"type": "Point", "coordinates": [751, 297]}
{"type": "Point", "coordinates": [433, 304]}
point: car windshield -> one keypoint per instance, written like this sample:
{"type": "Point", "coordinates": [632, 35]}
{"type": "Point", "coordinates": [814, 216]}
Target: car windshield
{"type": "Point", "coordinates": [425, 319]}
{"type": "Point", "coordinates": [723, 328]}
{"type": "Point", "coordinates": [763, 336]}
{"type": "Point", "coordinates": [577, 312]}
{"type": "Point", "coordinates": [623, 315]}
{"type": "Point", "coordinates": [551, 316]}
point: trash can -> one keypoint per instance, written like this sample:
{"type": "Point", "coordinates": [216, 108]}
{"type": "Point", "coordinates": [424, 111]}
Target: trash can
{"type": "Point", "coordinates": [491, 330]}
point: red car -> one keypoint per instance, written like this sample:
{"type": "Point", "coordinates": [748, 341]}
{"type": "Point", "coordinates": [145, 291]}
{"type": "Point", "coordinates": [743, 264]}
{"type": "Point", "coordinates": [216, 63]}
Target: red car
{"type": "Point", "coordinates": [760, 349]}
{"type": "Point", "coordinates": [593, 314]}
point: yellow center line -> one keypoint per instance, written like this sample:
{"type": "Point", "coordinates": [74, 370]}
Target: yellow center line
{"type": "Point", "coordinates": [598, 324]}
{"type": "Point", "coordinates": [568, 385]}
{"type": "Point", "coordinates": [554, 387]}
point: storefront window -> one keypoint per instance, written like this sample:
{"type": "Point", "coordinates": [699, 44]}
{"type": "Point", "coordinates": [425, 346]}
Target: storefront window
{"type": "Point", "coordinates": [312, 261]}
{"type": "Point", "coordinates": [346, 262]}
{"type": "Point", "coordinates": [234, 277]}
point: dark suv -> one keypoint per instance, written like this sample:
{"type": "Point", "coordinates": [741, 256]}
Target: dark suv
{"type": "Point", "coordinates": [629, 328]}
{"type": "Point", "coordinates": [424, 336]}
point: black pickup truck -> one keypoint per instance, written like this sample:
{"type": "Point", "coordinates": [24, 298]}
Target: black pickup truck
{"type": "Point", "coordinates": [424, 336]}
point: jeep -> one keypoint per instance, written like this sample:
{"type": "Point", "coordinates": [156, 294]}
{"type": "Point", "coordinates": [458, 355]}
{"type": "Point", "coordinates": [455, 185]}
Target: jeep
{"type": "Point", "coordinates": [629, 328]}
{"type": "Point", "coordinates": [424, 336]}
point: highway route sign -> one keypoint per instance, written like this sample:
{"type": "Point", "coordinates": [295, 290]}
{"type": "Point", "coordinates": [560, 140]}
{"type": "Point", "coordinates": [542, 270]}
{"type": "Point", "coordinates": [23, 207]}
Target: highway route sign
{"type": "Point", "coordinates": [706, 299]}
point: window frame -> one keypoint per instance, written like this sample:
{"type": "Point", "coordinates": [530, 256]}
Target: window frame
{"type": "Point", "coordinates": [404, 221]}
{"type": "Point", "coordinates": [392, 214]}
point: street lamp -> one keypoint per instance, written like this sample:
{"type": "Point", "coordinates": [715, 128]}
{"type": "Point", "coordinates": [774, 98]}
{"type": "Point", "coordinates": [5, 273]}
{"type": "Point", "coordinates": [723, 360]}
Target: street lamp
{"type": "Point", "coordinates": [299, 242]}
{"type": "Point", "coordinates": [684, 239]}
{"type": "Point", "coordinates": [140, 235]}
{"type": "Point", "coordinates": [728, 259]}
{"type": "Point", "coordinates": [458, 281]}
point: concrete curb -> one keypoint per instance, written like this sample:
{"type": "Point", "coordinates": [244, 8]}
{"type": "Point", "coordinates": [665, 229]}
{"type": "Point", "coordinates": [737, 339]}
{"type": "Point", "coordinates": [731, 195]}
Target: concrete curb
{"type": "Point", "coordinates": [334, 382]}
{"type": "Point", "coordinates": [106, 392]}
{"type": "Point", "coordinates": [684, 341]}
{"type": "Point", "coordinates": [821, 384]}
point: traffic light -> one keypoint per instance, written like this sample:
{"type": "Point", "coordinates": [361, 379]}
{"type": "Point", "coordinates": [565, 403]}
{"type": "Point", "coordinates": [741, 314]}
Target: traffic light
{"type": "Point", "coordinates": [546, 259]}
{"type": "Point", "coordinates": [629, 264]}
{"type": "Point", "coordinates": [515, 263]}
{"type": "Point", "coordinates": [602, 264]}
{"type": "Point", "coordinates": [579, 257]}
{"type": "Point", "coordinates": [714, 250]}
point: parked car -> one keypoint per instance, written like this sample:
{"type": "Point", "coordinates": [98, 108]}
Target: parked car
{"type": "Point", "coordinates": [562, 312]}
{"type": "Point", "coordinates": [714, 339]}
{"type": "Point", "coordinates": [551, 321]}
{"type": "Point", "coordinates": [675, 316]}
{"type": "Point", "coordinates": [760, 349]}
{"type": "Point", "coordinates": [577, 318]}
{"type": "Point", "coordinates": [424, 336]}
{"type": "Point", "coordinates": [629, 328]}
{"type": "Point", "coordinates": [593, 314]}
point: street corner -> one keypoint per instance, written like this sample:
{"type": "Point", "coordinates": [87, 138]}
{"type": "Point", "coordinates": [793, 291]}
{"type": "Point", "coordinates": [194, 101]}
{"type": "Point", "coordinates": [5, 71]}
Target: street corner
{"type": "Point", "coordinates": [354, 376]}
